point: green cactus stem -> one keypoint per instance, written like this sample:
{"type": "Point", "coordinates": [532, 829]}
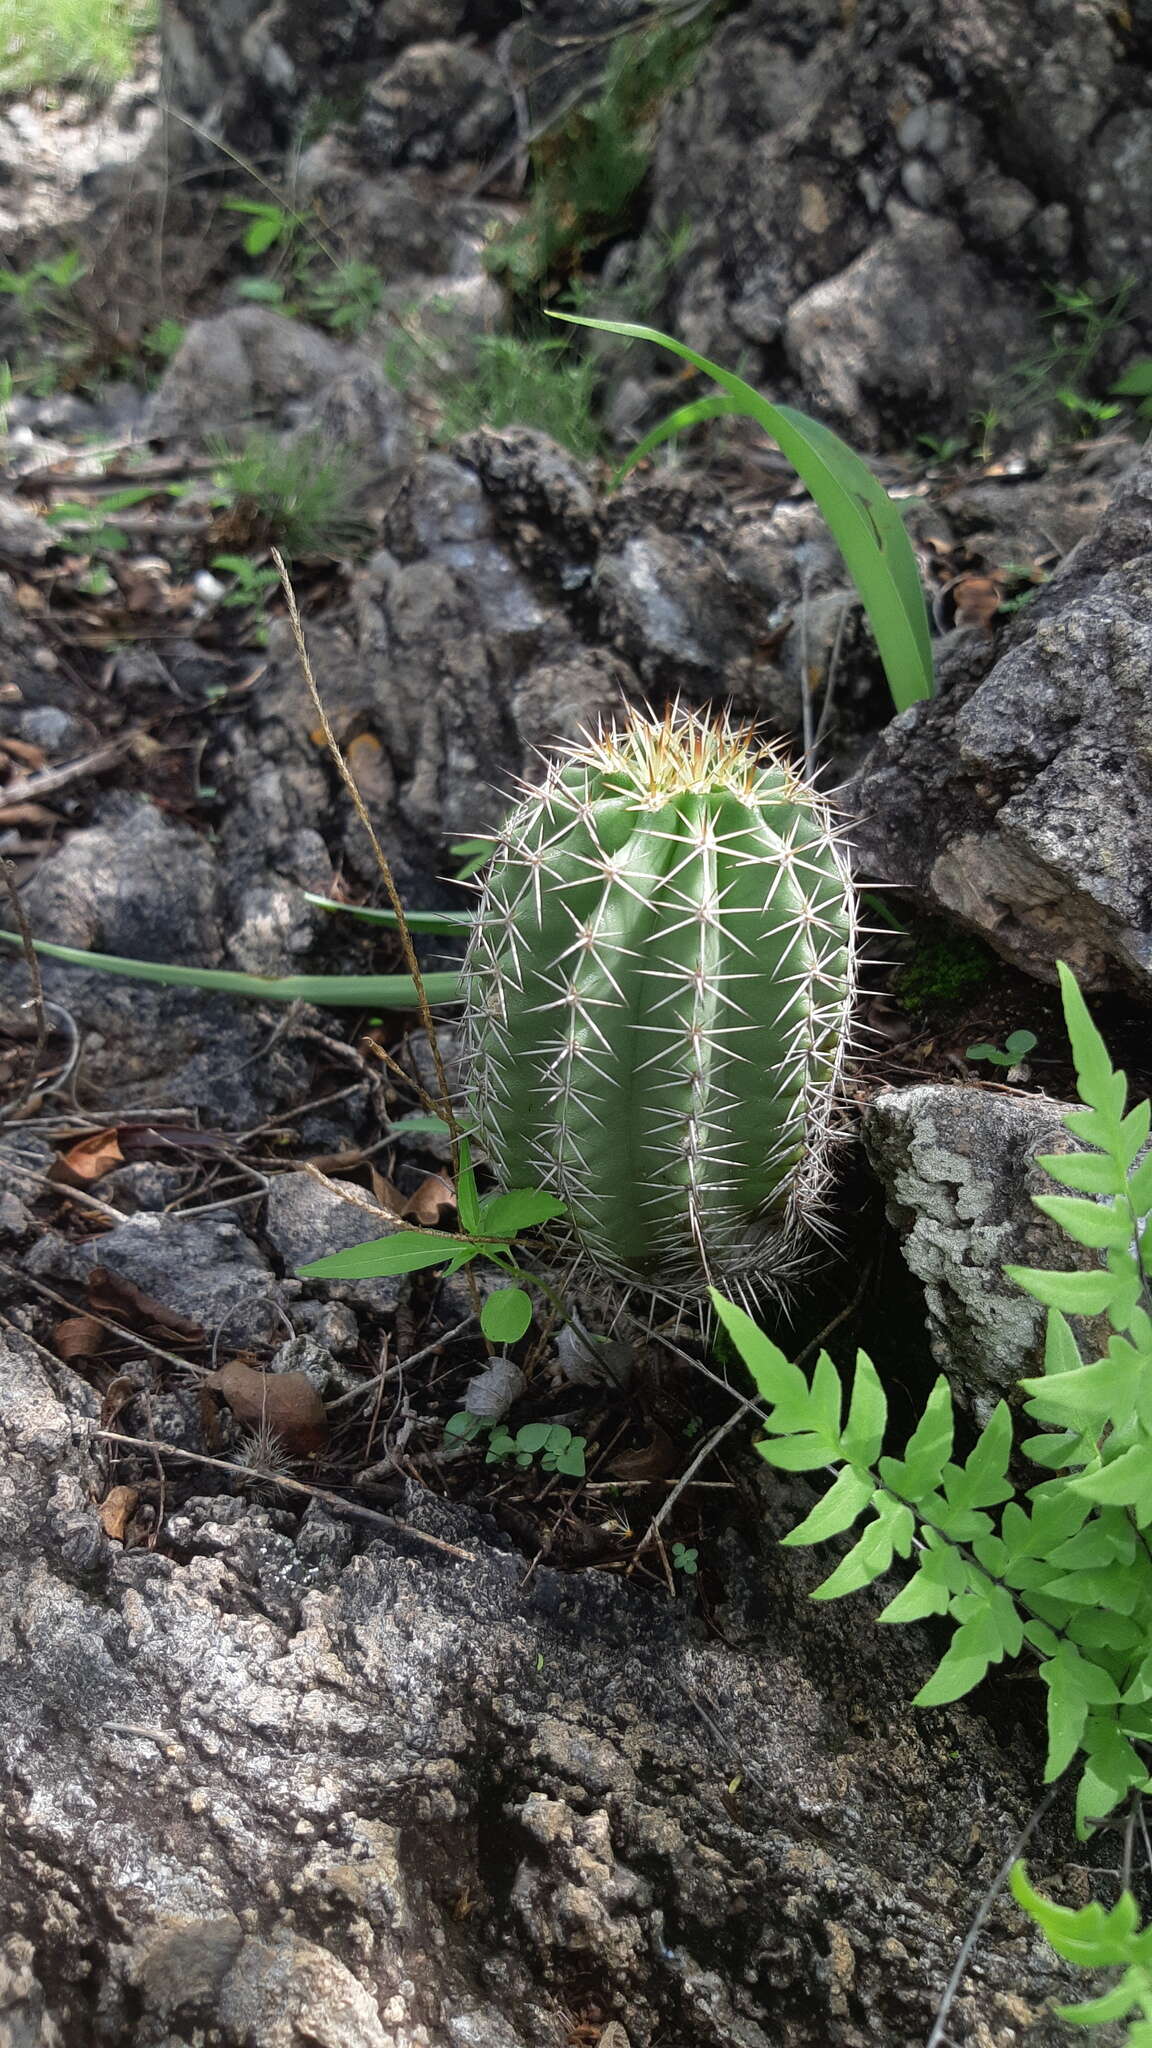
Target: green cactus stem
{"type": "Point", "coordinates": [659, 988]}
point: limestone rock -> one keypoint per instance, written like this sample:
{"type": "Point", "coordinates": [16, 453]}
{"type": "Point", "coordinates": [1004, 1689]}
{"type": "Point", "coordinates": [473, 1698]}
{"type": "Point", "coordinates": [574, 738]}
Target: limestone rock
{"type": "Point", "coordinates": [135, 884]}
{"type": "Point", "coordinates": [1020, 801]}
{"type": "Point", "coordinates": [306, 1221]}
{"type": "Point", "coordinates": [911, 309]}
{"type": "Point", "coordinates": [203, 1267]}
{"type": "Point", "coordinates": [856, 180]}
{"type": "Point", "coordinates": [386, 1800]}
{"type": "Point", "coordinates": [958, 1167]}
{"type": "Point", "coordinates": [240, 366]}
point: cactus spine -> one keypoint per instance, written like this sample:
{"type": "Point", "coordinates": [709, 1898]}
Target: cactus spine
{"type": "Point", "coordinates": [659, 989]}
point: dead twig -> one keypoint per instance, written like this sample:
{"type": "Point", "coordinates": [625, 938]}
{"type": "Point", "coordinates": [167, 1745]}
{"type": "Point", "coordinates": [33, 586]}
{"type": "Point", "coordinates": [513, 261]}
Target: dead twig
{"type": "Point", "coordinates": [131, 1337]}
{"type": "Point", "coordinates": [937, 2037]}
{"type": "Point", "coordinates": [382, 861]}
{"type": "Point", "coordinates": [28, 1085]}
{"type": "Point", "coordinates": [30, 789]}
{"type": "Point", "coordinates": [709, 1445]}
{"type": "Point", "coordinates": [60, 1188]}
{"type": "Point", "coordinates": [417, 1358]}
{"type": "Point", "coordinates": [330, 1500]}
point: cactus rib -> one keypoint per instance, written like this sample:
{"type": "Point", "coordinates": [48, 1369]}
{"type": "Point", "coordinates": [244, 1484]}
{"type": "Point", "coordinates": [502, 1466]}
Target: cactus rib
{"type": "Point", "coordinates": [658, 987]}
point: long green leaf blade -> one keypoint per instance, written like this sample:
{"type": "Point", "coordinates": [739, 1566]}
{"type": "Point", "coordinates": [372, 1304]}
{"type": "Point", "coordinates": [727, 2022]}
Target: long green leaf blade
{"type": "Point", "coordinates": [447, 923]}
{"type": "Point", "coordinates": [331, 991]}
{"type": "Point", "coordinates": [405, 1251]}
{"type": "Point", "coordinates": [866, 525]}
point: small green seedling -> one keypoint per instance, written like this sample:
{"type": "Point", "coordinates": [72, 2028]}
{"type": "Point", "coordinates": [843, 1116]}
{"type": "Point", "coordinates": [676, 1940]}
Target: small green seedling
{"type": "Point", "coordinates": [97, 582]}
{"type": "Point", "coordinates": [474, 853]}
{"type": "Point", "coordinates": [267, 224]}
{"type": "Point", "coordinates": [1086, 412]}
{"type": "Point", "coordinates": [1137, 383]}
{"type": "Point", "coordinates": [490, 1224]}
{"type": "Point", "coordinates": [685, 1560]}
{"type": "Point", "coordinates": [1017, 1046]}
{"type": "Point", "coordinates": [51, 274]}
{"type": "Point", "coordinates": [1098, 1938]}
{"type": "Point", "coordinates": [344, 297]}
{"type": "Point", "coordinates": [552, 1442]}
{"type": "Point", "coordinates": [947, 450]}
{"type": "Point", "coordinates": [91, 525]}
{"type": "Point", "coordinates": [164, 339]}
{"type": "Point", "coordinates": [251, 583]}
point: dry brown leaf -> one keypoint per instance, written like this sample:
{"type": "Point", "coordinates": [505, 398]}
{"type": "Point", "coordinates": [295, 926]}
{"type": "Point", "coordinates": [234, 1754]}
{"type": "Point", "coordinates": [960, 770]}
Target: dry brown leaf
{"type": "Point", "coordinates": [111, 1295]}
{"type": "Point", "coordinates": [23, 750]}
{"type": "Point", "coordinates": [432, 1197]}
{"type": "Point", "coordinates": [144, 586]}
{"type": "Point", "coordinates": [363, 752]}
{"type": "Point", "coordinates": [78, 1337]}
{"type": "Point", "coordinates": [116, 1398]}
{"type": "Point", "coordinates": [285, 1404]}
{"type": "Point", "coordinates": [94, 1156]}
{"type": "Point", "coordinates": [117, 1509]}
{"type": "Point", "coordinates": [387, 1194]}
{"type": "Point", "coordinates": [26, 814]}
{"type": "Point", "coordinates": [978, 599]}
{"type": "Point", "coordinates": [653, 1460]}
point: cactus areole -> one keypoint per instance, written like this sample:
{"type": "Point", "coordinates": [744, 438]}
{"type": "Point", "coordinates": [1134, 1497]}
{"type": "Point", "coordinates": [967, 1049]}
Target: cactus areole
{"type": "Point", "coordinates": [659, 989]}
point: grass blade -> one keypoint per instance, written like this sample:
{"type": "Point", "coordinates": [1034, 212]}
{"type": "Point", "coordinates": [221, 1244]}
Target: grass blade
{"type": "Point", "coordinates": [448, 923]}
{"type": "Point", "coordinates": [333, 991]}
{"type": "Point", "coordinates": [865, 523]}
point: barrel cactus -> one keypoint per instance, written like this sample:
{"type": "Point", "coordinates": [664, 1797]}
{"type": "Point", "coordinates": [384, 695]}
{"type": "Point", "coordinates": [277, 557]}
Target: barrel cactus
{"type": "Point", "coordinates": [658, 991]}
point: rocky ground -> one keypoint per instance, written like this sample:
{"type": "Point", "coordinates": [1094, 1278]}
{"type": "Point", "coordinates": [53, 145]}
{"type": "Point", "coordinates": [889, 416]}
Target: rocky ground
{"type": "Point", "coordinates": [350, 1738]}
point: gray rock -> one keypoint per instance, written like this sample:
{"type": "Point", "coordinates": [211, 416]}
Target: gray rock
{"type": "Point", "coordinates": [564, 699]}
{"type": "Point", "coordinates": [667, 606]}
{"type": "Point", "coordinates": [23, 2018]}
{"type": "Point", "coordinates": [304, 1354]}
{"type": "Point", "coordinates": [15, 1221]}
{"type": "Point", "coordinates": [280, 1770]}
{"type": "Point", "coordinates": [272, 926]}
{"type": "Point", "coordinates": [420, 235]}
{"type": "Point", "coordinates": [31, 670]}
{"type": "Point", "coordinates": [145, 1048]}
{"type": "Point", "coordinates": [306, 1221]}
{"type": "Point", "coordinates": [997, 208]}
{"type": "Point", "coordinates": [449, 634]}
{"type": "Point", "coordinates": [287, 1992]}
{"type": "Point", "coordinates": [1118, 172]}
{"type": "Point", "coordinates": [958, 1167]}
{"type": "Point", "coordinates": [247, 71]}
{"type": "Point", "coordinates": [331, 1323]}
{"type": "Point", "coordinates": [58, 733]}
{"type": "Point", "coordinates": [135, 884]}
{"type": "Point", "coordinates": [145, 1184]}
{"type": "Point", "coordinates": [203, 1267]}
{"type": "Point", "coordinates": [242, 365]}
{"type": "Point", "coordinates": [808, 134]}
{"type": "Point", "coordinates": [361, 414]}
{"type": "Point", "coordinates": [1021, 800]}
{"type": "Point", "coordinates": [917, 303]}
{"type": "Point", "coordinates": [440, 103]}
{"type": "Point", "coordinates": [23, 536]}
